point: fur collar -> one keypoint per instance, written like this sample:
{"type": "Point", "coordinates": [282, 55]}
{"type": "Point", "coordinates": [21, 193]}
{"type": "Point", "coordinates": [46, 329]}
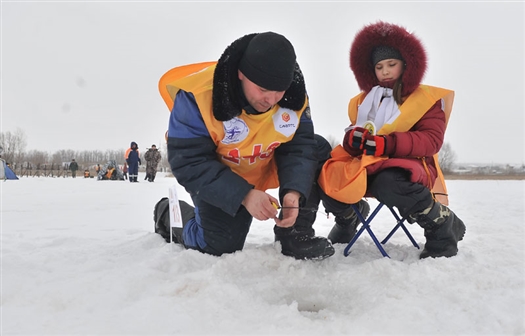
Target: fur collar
{"type": "Point", "coordinates": [382, 33]}
{"type": "Point", "coordinates": [226, 98]}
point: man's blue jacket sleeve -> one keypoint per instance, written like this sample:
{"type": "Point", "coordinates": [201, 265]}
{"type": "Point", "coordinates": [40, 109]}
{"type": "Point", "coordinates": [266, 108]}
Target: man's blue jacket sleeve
{"type": "Point", "coordinates": [193, 159]}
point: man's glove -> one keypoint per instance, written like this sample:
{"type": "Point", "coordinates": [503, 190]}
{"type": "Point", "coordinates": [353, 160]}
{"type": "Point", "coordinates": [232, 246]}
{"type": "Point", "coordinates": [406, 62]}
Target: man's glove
{"type": "Point", "coordinates": [347, 144]}
{"type": "Point", "coordinates": [375, 145]}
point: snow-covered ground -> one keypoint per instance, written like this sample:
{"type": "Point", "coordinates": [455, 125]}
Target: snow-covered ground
{"type": "Point", "coordinates": [79, 257]}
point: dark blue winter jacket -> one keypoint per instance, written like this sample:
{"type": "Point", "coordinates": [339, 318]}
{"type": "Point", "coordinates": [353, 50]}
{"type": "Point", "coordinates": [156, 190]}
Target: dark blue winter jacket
{"type": "Point", "coordinates": [132, 154]}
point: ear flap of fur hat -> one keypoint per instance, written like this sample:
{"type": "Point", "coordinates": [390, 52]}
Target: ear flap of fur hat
{"type": "Point", "coordinates": [226, 100]}
{"type": "Point", "coordinates": [226, 85]}
{"type": "Point", "coordinates": [393, 36]}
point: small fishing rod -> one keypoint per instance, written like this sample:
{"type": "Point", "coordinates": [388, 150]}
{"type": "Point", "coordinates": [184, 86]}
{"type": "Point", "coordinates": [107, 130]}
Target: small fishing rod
{"type": "Point", "coordinates": [289, 207]}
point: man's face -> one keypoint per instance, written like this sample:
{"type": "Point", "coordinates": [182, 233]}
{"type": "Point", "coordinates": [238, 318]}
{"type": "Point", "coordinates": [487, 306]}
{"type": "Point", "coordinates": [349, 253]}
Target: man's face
{"type": "Point", "coordinates": [259, 98]}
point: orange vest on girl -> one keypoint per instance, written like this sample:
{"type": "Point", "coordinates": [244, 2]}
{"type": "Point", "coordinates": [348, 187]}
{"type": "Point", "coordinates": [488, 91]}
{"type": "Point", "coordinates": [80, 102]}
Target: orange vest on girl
{"type": "Point", "coordinates": [344, 177]}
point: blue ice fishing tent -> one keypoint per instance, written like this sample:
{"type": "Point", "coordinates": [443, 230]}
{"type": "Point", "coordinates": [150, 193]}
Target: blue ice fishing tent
{"type": "Point", "coordinates": [5, 172]}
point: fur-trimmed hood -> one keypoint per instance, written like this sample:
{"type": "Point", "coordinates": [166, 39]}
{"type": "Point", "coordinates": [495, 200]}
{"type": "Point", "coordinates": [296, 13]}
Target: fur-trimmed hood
{"type": "Point", "coordinates": [382, 33]}
{"type": "Point", "coordinates": [227, 98]}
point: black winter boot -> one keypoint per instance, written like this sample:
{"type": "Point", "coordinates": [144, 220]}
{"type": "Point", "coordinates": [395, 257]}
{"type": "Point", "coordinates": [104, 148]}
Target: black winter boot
{"type": "Point", "coordinates": [161, 217]}
{"type": "Point", "coordinates": [162, 220]}
{"type": "Point", "coordinates": [443, 230]}
{"type": "Point", "coordinates": [303, 244]}
{"type": "Point", "coordinates": [345, 227]}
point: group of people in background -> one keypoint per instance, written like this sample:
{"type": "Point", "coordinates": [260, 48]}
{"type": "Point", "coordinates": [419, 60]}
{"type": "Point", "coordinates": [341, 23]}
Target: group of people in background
{"type": "Point", "coordinates": [133, 161]}
{"type": "Point", "coordinates": [111, 171]}
{"type": "Point", "coordinates": [243, 125]}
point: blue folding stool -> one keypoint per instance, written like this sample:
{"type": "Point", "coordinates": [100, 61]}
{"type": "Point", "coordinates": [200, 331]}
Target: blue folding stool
{"type": "Point", "coordinates": [366, 226]}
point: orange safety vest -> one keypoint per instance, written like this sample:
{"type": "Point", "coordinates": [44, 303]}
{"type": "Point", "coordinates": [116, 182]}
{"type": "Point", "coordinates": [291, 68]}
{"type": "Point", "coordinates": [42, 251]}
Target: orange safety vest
{"type": "Point", "coordinates": [344, 177]}
{"type": "Point", "coordinates": [252, 156]}
{"type": "Point", "coordinates": [110, 172]}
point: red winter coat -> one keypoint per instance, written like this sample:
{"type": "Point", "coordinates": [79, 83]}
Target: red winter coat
{"type": "Point", "coordinates": [424, 139]}
{"type": "Point", "coordinates": [419, 131]}
{"type": "Point", "coordinates": [412, 142]}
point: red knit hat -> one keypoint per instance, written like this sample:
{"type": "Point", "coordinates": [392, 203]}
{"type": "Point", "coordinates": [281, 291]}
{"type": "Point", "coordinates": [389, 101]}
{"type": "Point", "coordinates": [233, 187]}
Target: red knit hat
{"type": "Point", "coordinates": [382, 34]}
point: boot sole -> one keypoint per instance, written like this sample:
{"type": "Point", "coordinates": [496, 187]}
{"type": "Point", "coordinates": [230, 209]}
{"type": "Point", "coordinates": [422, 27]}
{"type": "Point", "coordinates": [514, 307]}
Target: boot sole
{"type": "Point", "coordinates": [459, 232]}
{"type": "Point", "coordinates": [328, 252]}
{"type": "Point", "coordinates": [323, 257]}
{"type": "Point", "coordinates": [459, 229]}
{"type": "Point", "coordinates": [426, 254]}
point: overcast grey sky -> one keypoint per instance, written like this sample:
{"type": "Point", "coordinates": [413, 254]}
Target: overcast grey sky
{"type": "Point", "coordinates": [84, 75]}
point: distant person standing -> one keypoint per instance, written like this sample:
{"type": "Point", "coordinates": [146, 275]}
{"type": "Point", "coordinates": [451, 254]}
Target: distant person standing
{"type": "Point", "coordinates": [73, 166]}
{"type": "Point", "coordinates": [125, 170]}
{"type": "Point", "coordinates": [132, 157]}
{"type": "Point", "coordinates": [97, 168]}
{"type": "Point", "coordinates": [152, 157]}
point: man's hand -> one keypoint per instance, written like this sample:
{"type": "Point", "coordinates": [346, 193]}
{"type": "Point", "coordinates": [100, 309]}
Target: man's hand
{"type": "Point", "coordinates": [259, 205]}
{"type": "Point", "coordinates": [290, 209]}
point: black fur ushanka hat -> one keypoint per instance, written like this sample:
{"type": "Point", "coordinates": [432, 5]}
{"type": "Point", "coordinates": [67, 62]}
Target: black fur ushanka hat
{"type": "Point", "coordinates": [227, 100]}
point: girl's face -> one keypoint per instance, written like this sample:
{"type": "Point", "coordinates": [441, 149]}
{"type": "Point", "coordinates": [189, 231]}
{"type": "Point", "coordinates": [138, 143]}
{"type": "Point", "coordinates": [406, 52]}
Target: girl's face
{"type": "Point", "coordinates": [389, 70]}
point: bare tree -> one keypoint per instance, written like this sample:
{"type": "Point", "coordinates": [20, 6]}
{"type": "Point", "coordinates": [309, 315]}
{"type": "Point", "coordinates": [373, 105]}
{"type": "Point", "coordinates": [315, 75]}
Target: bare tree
{"type": "Point", "coordinates": [65, 155]}
{"type": "Point", "coordinates": [96, 156]}
{"type": "Point", "coordinates": [14, 145]}
{"type": "Point", "coordinates": [37, 158]}
{"type": "Point", "coordinates": [115, 154]}
{"type": "Point", "coordinates": [447, 158]}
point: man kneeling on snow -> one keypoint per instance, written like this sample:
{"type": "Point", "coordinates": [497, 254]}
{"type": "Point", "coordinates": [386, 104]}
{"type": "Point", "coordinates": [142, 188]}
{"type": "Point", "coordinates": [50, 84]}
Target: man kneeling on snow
{"type": "Point", "coordinates": [239, 127]}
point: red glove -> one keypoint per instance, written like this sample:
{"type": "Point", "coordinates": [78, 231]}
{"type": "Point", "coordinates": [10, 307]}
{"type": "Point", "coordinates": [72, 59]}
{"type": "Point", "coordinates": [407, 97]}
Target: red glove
{"type": "Point", "coordinates": [375, 145]}
{"type": "Point", "coordinates": [357, 136]}
{"type": "Point", "coordinates": [348, 142]}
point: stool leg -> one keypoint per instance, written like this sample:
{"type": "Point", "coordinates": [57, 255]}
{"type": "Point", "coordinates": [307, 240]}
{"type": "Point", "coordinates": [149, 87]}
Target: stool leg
{"type": "Point", "coordinates": [366, 226]}
{"type": "Point", "coordinates": [400, 224]}
{"type": "Point", "coordinates": [347, 248]}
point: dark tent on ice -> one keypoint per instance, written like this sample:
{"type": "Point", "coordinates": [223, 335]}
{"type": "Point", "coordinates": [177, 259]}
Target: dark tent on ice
{"type": "Point", "coordinates": [110, 171]}
{"type": "Point", "coordinates": [5, 171]}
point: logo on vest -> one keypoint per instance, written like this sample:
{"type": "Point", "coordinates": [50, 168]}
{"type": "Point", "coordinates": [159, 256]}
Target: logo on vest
{"type": "Point", "coordinates": [285, 121]}
{"type": "Point", "coordinates": [235, 130]}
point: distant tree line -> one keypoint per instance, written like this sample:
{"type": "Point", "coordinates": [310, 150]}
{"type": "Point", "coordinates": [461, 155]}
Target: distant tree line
{"type": "Point", "coordinates": [14, 152]}
{"type": "Point", "coordinates": [446, 158]}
